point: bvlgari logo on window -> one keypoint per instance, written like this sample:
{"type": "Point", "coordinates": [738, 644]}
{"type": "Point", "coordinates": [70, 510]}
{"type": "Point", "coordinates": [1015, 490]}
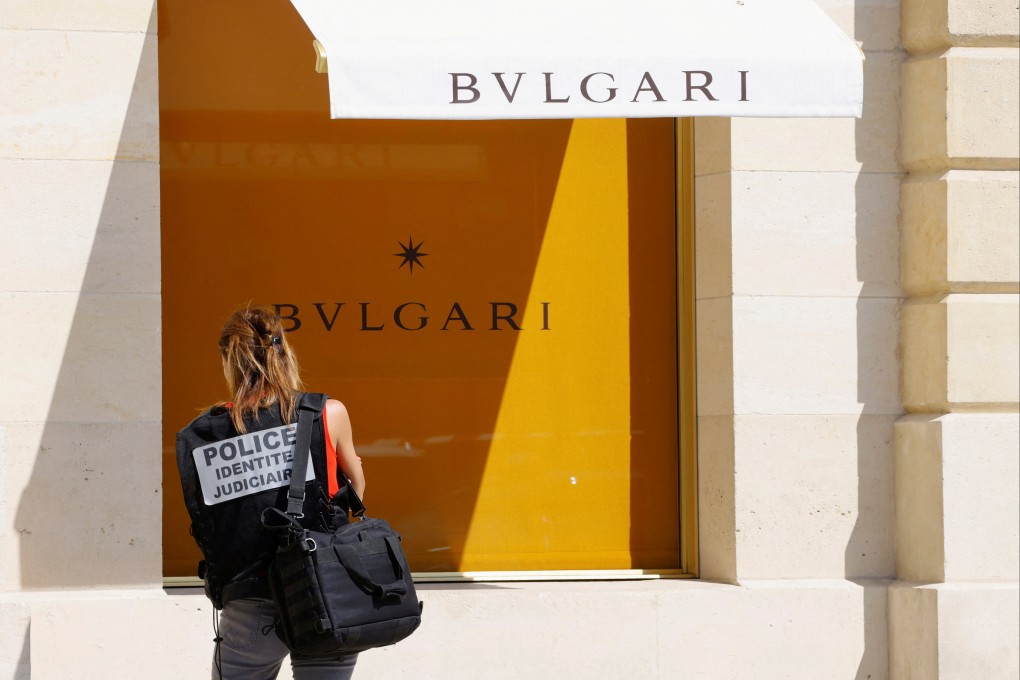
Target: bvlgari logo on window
{"type": "Point", "coordinates": [411, 255]}
{"type": "Point", "coordinates": [494, 315]}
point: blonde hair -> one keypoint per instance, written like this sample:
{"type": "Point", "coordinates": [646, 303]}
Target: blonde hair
{"type": "Point", "coordinates": [259, 365]}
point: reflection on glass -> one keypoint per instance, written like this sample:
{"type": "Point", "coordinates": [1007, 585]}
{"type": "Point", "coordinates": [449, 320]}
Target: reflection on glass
{"type": "Point", "coordinates": [513, 388]}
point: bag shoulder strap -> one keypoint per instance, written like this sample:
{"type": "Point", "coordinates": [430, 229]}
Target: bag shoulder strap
{"type": "Point", "coordinates": [308, 406]}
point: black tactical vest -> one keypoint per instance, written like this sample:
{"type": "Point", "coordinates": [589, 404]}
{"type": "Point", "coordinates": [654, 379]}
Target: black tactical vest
{"type": "Point", "coordinates": [237, 470]}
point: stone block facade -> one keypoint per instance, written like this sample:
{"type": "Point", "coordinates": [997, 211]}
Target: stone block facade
{"type": "Point", "coordinates": [953, 613]}
{"type": "Point", "coordinates": [857, 342]}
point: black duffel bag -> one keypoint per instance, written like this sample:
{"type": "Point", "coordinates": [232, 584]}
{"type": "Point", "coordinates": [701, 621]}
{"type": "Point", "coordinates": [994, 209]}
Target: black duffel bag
{"type": "Point", "coordinates": [341, 592]}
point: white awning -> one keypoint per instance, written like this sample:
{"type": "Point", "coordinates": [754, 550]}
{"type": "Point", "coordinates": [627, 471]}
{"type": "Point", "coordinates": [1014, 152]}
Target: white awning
{"type": "Point", "coordinates": [481, 59]}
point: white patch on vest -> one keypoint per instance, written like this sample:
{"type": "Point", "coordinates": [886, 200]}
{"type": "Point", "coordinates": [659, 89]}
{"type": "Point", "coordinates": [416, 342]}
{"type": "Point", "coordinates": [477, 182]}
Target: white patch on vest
{"type": "Point", "coordinates": [240, 466]}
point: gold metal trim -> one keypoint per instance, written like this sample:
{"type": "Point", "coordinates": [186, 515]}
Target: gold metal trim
{"type": "Point", "coordinates": [503, 576]}
{"type": "Point", "coordinates": [686, 365]}
{"type": "Point", "coordinates": [321, 66]}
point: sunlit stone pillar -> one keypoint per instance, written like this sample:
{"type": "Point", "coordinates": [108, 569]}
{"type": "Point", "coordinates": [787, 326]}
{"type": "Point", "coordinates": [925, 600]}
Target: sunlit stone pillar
{"type": "Point", "coordinates": [953, 611]}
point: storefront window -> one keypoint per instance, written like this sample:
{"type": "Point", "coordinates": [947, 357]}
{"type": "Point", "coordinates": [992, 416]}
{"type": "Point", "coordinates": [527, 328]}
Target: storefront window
{"type": "Point", "coordinates": [495, 302]}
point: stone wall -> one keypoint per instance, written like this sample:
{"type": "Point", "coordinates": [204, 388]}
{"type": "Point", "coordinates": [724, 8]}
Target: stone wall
{"type": "Point", "coordinates": [953, 612]}
{"type": "Point", "coordinates": [817, 387]}
{"type": "Point", "coordinates": [80, 488]}
{"type": "Point", "coordinates": [797, 295]}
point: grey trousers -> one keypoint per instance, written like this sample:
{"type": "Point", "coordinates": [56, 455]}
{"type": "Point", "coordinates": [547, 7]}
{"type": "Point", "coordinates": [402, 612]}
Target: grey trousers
{"type": "Point", "coordinates": [250, 649]}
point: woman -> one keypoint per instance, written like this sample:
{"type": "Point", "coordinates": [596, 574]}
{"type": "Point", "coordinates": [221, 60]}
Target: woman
{"type": "Point", "coordinates": [235, 462]}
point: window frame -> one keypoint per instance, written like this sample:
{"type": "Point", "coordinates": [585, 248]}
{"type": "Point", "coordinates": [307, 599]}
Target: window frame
{"type": "Point", "coordinates": [687, 486]}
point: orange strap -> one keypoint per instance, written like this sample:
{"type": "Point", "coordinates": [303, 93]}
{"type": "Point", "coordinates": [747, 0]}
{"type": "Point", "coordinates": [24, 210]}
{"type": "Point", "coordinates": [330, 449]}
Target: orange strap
{"type": "Point", "coordinates": [331, 461]}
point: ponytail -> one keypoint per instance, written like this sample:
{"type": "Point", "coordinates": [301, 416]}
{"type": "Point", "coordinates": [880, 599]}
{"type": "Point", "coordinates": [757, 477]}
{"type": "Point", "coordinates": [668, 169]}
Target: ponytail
{"type": "Point", "coordinates": [259, 365]}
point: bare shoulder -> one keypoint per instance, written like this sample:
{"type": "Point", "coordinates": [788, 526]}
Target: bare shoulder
{"type": "Point", "coordinates": [336, 412]}
{"type": "Point", "coordinates": [339, 421]}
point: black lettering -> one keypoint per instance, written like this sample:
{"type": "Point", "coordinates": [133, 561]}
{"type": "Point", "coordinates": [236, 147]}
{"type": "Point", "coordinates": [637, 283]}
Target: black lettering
{"type": "Point", "coordinates": [289, 436]}
{"type": "Point", "coordinates": [236, 468]}
{"type": "Point", "coordinates": [422, 320]}
{"type": "Point", "coordinates": [223, 450]}
{"type": "Point", "coordinates": [743, 86]}
{"type": "Point", "coordinates": [703, 87]}
{"type": "Point", "coordinates": [509, 94]}
{"type": "Point", "coordinates": [238, 486]}
{"type": "Point", "coordinates": [364, 318]}
{"type": "Point", "coordinates": [254, 482]}
{"type": "Point", "coordinates": [244, 451]}
{"type": "Point", "coordinates": [457, 87]}
{"type": "Point", "coordinates": [217, 494]}
{"type": "Point", "coordinates": [248, 465]}
{"type": "Point", "coordinates": [509, 318]}
{"type": "Point", "coordinates": [209, 452]}
{"type": "Point", "coordinates": [456, 313]}
{"type": "Point", "coordinates": [647, 78]}
{"type": "Point", "coordinates": [548, 91]}
{"type": "Point", "coordinates": [328, 323]}
{"type": "Point", "coordinates": [292, 317]}
{"type": "Point", "coordinates": [610, 90]}
{"type": "Point", "coordinates": [276, 435]}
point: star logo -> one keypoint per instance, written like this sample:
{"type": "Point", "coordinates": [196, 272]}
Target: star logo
{"type": "Point", "coordinates": [411, 256]}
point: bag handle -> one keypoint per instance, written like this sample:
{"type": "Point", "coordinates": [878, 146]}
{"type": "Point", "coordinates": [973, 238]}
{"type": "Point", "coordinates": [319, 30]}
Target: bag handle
{"type": "Point", "coordinates": [277, 520]}
{"type": "Point", "coordinates": [308, 406]}
{"type": "Point", "coordinates": [349, 555]}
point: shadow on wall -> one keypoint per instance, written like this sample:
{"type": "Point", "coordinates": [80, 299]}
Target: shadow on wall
{"type": "Point", "coordinates": [89, 513]}
{"type": "Point", "coordinates": [870, 550]}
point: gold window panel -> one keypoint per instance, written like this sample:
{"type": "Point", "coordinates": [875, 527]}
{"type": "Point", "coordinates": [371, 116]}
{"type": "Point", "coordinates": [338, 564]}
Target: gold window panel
{"type": "Point", "coordinates": [505, 307]}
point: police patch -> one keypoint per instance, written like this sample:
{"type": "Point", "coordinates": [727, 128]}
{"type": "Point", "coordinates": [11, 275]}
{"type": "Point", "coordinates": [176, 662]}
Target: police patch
{"type": "Point", "coordinates": [244, 465]}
